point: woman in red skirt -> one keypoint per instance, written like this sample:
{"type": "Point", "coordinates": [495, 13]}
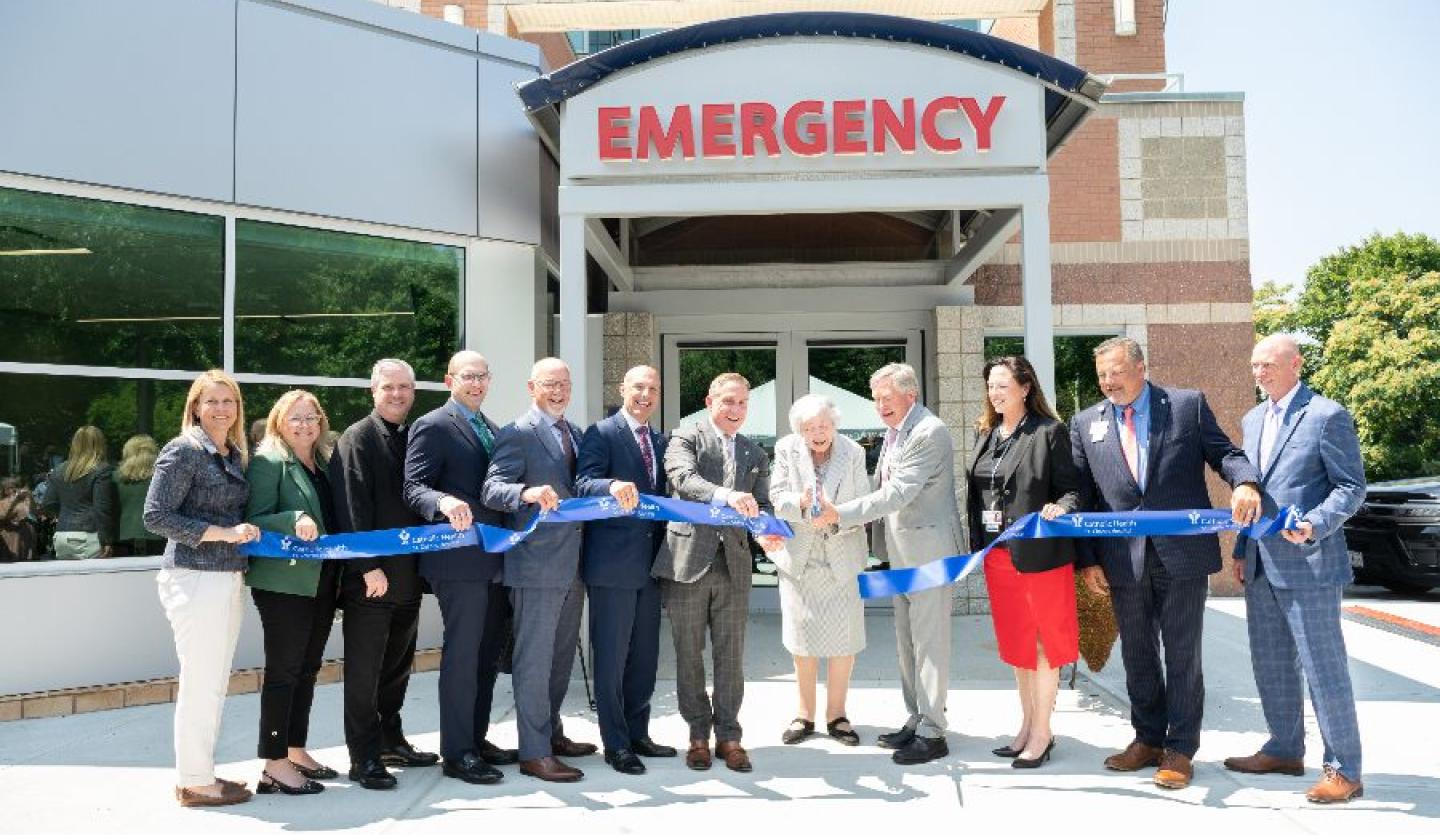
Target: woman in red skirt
{"type": "Point", "coordinates": [1022, 465]}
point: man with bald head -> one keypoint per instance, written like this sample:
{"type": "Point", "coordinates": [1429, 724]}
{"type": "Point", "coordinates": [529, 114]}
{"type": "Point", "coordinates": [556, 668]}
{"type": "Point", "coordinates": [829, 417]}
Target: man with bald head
{"type": "Point", "coordinates": [446, 458]}
{"type": "Point", "coordinates": [622, 457]}
{"type": "Point", "coordinates": [532, 471]}
{"type": "Point", "coordinates": [1308, 455]}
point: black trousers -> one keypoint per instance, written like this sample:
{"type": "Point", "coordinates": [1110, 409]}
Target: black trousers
{"type": "Point", "coordinates": [296, 628]}
{"type": "Point", "coordinates": [379, 650]}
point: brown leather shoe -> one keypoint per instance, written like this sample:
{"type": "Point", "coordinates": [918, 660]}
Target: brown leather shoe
{"type": "Point", "coordinates": [1175, 770]}
{"type": "Point", "coordinates": [1334, 787]}
{"type": "Point", "coordinates": [735, 757]}
{"type": "Point", "coordinates": [563, 746]}
{"type": "Point", "coordinates": [1262, 763]}
{"type": "Point", "coordinates": [230, 794]}
{"type": "Point", "coordinates": [1137, 755]}
{"type": "Point", "coordinates": [551, 770]}
{"type": "Point", "coordinates": [698, 757]}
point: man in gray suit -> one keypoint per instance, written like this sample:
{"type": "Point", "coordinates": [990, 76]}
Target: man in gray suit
{"type": "Point", "coordinates": [532, 471]}
{"type": "Point", "coordinates": [917, 520]}
{"type": "Point", "coordinates": [1309, 456]}
{"type": "Point", "coordinates": [704, 570]}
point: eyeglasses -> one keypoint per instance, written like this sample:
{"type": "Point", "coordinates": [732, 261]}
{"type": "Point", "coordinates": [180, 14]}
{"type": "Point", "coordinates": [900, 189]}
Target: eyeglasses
{"type": "Point", "coordinates": [303, 420]}
{"type": "Point", "coordinates": [552, 385]}
{"type": "Point", "coordinates": [472, 377]}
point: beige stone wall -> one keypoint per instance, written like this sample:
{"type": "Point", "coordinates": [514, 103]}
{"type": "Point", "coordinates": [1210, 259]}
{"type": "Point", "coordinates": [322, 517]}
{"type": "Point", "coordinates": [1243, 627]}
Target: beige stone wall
{"type": "Point", "coordinates": [629, 341]}
{"type": "Point", "coordinates": [1182, 171]}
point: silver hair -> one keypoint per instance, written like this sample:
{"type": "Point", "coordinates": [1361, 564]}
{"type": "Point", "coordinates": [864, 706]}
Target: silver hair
{"type": "Point", "coordinates": [389, 363]}
{"type": "Point", "coordinates": [900, 375]}
{"type": "Point", "coordinates": [1133, 351]}
{"type": "Point", "coordinates": [810, 407]}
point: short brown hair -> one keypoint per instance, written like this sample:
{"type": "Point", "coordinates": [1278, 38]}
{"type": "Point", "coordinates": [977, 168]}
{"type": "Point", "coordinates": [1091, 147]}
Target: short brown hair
{"type": "Point", "coordinates": [726, 379]}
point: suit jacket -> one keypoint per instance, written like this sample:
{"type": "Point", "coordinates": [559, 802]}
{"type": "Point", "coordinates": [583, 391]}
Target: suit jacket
{"type": "Point", "coordinates": [841, 551]}
{"type": "Point", "coordinates": [1315, 466]}
{"type": "Point", "coordinates": [619, 553]}
{"type": "Point", "coordinates": [445, 457]}
{"type": "Point", "coordinates": [695, 465]}
{"type": "Point", "coordinates": [915, 510]}
{"type": "Point", "coordinates": [1038, 469]}
{"type": "Point", "coordinates": [527, 454]}
{"type": "Point", "coordinates": [1184, 438]}
{"type": "Point", "coordinates": [367, 479]}
{"type": "Point", "coordinates": [86, 504]}
{"type": "Point", "coordinates": [280, 490]}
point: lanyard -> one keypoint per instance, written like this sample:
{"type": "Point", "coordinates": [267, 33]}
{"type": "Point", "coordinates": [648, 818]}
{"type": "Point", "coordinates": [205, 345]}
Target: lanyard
{"type": "Point", "coordinates": [998, 453]}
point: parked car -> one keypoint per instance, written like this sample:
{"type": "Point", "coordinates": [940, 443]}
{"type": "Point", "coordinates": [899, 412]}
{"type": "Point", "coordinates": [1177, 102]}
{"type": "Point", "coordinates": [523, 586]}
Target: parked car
{"type": "Point", "coordinates": [1394, 541]}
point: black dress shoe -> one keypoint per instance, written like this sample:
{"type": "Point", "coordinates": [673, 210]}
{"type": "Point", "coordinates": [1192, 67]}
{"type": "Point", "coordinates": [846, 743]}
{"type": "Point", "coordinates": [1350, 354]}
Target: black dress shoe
{"type": "Point", "coordinates": [495, 755]}
{"type": "Point", "coordinates": [562, 746]}
{"type": "Point", "coordinates": [472, 769]}
{"type": "Point", "coordinates": [896, 740]}
{"type": "Point", "coordinates": [647, 747]}
{"type": "Point", "coordinates": [921, 750]}
{"type": "Point", "coordinates": [405, 755]}
{"type": "Point", "coordinates": [371, 774]}
{"type": "Point", "coordinates": [625, 761]}
{"type": "Point", "coordinates": [319, 772]}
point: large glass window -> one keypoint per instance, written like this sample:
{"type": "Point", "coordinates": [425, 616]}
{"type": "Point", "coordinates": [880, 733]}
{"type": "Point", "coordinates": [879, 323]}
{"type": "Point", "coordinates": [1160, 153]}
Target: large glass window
{"type": "Point", "coordinates": [343, 404]}
{"type": "Point", "coordinates": [90, 282]}
{"type": "Point", "coordinates": [317, 303]}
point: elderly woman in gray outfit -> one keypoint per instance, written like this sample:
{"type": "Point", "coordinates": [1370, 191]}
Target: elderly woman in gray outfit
{"type": "Point", "coordinates": [197, 501]}
{"type": "Point", "coordinates": [822, 615]}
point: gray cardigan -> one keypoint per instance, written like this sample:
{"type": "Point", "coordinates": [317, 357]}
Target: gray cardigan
{"type": "Point", "coordinates": [193, 488]}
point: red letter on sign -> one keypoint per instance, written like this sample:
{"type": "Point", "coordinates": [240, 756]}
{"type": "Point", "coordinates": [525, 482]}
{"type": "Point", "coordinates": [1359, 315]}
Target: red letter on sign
{"type": "Point", "coordinates": [849, 120]}
{"type": "Point", "coordinates": [613, 121]}
{"type": "Point", "coordinates": [717, 121]}
{"type": "Point", "coordinates": [901, 129]}
{"type": "Point", "coordinates": [757, 121]}
{"type": "Point", "coordinates": [815, 144]}
{"type": "Point", "coordinates": [939, 144]}
{"type": "Point", "coordinates": [982, 121]}
{"type": "Point", "coordinates": [681, 132]}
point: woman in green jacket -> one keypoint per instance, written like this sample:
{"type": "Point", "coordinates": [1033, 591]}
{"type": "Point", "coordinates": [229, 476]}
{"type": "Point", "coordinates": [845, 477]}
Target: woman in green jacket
{"type": "Point", "coordinates": [289, 494]}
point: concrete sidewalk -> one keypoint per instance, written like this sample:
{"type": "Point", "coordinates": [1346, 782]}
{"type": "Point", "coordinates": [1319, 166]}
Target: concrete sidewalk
{"type": "Point", "coordinates": [111, 772]}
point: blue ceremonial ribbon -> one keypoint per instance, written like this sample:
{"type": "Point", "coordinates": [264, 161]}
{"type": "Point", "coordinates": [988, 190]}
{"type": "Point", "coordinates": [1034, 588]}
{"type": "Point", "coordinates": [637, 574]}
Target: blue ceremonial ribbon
{"type": "Point", "coordinates": [948, 570]}
{"type": "Point", "coordinates": [427, 538]}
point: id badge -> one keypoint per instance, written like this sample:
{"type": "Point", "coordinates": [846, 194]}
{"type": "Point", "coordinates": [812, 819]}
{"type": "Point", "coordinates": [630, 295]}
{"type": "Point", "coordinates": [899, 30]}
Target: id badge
{"type": "Point", "coordinates": [991, 519]}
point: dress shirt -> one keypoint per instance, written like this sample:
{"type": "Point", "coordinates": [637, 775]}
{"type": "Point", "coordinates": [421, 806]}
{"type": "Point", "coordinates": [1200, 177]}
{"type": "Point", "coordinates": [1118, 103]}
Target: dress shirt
{"type": "Point", "coordinates": [724, 492]}
{"type": "Point", "coordinates": [635, 426]}
{"type": "Point", "coordinates": [1141, 405]}
{"type": "Point", "coordinates": [470, 417]}
{"type": "Point", "coordinates": [1274, 419]}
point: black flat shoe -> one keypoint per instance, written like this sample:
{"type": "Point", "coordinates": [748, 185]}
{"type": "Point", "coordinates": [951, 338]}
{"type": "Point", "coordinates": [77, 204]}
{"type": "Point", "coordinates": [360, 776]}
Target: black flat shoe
{"type": "Point", "coordinates": [625, 761]}
{"type": "Point", "coordinates": [371, 774]}
{"type": "Point", "coordinates": [1006, 751]}
{"type": "Point", "coordinates": [269, 785]}
{"type": "Point", "coordinates": [845, 735]}
{"type": "Point", "coordinates": [921, 750]}
{"type": "Point", "coordinates": [472, 769]}
{"type": "Point", "coordinates": [1022, 762]}
{"type": "Point", "coordinates": [896, 739]}
{"type": "Point", "coordinates": [323, 772]}
{"type": "Point", "coordinates": [405, 755]}
{"type": "Point", "coordinates": [648, 747]}
{"type": "Point", "coordinates": [799, 730]}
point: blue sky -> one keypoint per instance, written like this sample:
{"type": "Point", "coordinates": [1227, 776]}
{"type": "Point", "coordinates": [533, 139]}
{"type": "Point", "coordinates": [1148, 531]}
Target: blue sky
{"type": "Point", "coordinates": [1342, 131]}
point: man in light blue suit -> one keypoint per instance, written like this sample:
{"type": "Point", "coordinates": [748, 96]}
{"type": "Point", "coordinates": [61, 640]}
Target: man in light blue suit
{"type": "Point", "coordinates": [532, 471]}
{"type": "Point", "coordinates": [1308, 455]}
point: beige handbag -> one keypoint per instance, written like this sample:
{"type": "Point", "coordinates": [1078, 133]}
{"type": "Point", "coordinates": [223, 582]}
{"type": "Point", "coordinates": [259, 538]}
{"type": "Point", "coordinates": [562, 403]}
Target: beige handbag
{"type": "Point", "coordinates": [77, 545]}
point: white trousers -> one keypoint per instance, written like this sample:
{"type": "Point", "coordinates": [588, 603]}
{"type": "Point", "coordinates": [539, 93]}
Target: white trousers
{"type": "Point", "coordinates": [205, 609]}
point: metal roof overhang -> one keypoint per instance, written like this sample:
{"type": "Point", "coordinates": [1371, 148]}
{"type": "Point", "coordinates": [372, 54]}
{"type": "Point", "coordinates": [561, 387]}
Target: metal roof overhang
{"type": "Point", "coordinates": [572, 15]}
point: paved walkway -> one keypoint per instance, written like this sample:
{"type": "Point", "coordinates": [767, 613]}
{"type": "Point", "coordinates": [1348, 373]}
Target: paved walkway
{"type": "Point", "coordinates": [110, 772]}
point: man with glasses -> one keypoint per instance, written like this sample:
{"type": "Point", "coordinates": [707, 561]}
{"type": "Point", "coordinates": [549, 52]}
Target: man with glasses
{"type": "Point", "coordinates": [532, 471]}
{"type": "Point", "coordinates": [445, 462]}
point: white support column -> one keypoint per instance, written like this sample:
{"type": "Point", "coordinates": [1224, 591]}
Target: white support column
{"type": "Point", "coordinates": [508, 277]}
{"type": "Point", "coordinates": [1035, 286]}
{"type": "Point", "coordinates": [572, 341]}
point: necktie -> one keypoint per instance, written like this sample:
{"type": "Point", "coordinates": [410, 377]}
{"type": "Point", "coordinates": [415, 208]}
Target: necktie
{"type": "Point", "coordinates": [486, 439]}
{"type": "Point", "coordinates": [1129, 443]}
{"type": "Point", "coordinates": [729, 475]}
{"type": "Point", "coordinates": [1268, 435]}
{"type": "Point", "coordinates": [642, 437]}
{"type": "Point", "coordinates": [567, 443]}
{"type": "Point", "coordinates": [891, 435]}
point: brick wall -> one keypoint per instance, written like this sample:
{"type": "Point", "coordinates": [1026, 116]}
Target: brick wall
{"type": "Point", "coordinates": [1099, 50]}
{"type": "Point", "coordinates": [1085, 184]}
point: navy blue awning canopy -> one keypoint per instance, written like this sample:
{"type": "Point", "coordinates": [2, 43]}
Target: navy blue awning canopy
{"type": "Point", "coordinates": [1070, 92]}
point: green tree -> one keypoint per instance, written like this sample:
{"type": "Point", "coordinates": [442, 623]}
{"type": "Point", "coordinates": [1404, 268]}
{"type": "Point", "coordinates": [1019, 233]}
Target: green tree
{"type": "Point", "coordinates": [1382, 359]}
{"type": "Point", "coordinates": [1330, 283]}
{"type": "Point", "coordinates": [1274, 309]}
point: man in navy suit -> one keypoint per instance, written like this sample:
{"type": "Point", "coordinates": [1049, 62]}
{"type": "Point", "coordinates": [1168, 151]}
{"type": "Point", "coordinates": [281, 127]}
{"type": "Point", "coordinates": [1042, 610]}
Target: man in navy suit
{"type": "Point", "coordinates": [621, 456]}
{"type": "Point", "coordinates": [445, 462]}
{"type": "Point", "coordinates": [1145, 447]}
{"type": "Point", "coordinates": [532, 471]}
{"type": "Point", "coordinates": [1309, 457]}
